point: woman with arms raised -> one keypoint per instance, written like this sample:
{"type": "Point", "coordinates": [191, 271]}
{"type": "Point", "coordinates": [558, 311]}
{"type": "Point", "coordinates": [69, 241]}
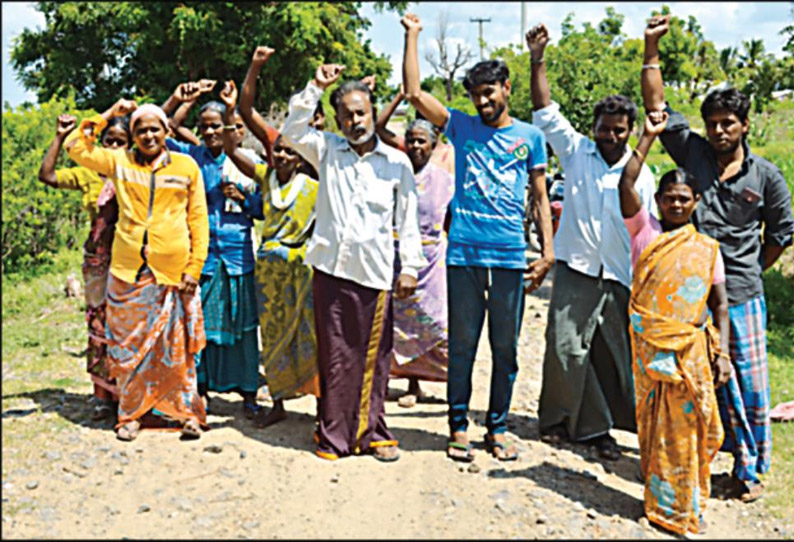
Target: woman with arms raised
{"type": "Point", "coordinates": [155, 325]}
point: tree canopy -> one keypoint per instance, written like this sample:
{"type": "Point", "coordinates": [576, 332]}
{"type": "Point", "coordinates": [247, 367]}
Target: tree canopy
{"type": "Point", "coordinates": [104, 50]}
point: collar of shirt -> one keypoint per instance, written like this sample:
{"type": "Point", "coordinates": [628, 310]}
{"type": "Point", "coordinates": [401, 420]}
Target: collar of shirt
{"type": "Point", "coordinates": [593, 149]}
{"type": "Point", "coordinates": [345, 146]}
{"type": "Point", "coordinates": [158, 163]}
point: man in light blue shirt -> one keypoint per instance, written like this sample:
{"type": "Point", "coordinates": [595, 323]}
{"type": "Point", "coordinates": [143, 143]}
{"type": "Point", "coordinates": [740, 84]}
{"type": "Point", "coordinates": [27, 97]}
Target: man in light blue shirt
{"type": "Point", "coordinates": [587, 381]}
{"type": "Point", "coordinates": [495, 155]}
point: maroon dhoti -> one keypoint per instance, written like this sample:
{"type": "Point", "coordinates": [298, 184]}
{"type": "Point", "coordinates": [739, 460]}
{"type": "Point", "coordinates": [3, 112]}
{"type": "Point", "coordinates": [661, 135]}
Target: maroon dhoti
{"type": "Point", "coordinates": [354, 344]}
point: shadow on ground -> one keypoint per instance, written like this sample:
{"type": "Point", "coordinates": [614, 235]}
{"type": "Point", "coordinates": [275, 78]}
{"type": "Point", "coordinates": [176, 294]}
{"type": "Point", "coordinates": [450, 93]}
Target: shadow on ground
{"type": "Point", "coordinates": [577, 488]}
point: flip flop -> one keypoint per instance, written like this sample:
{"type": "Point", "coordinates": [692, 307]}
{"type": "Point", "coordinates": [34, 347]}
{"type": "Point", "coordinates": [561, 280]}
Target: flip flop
{"type": "Point", "coordinates": [468, 458]}
{"type": "Point", "coordinates": [752, 491]}
{"type": "Point", "coordinates": [491, 445]}
{"type": "Point", "coordinates": [129, 431]}
{"type": "Point", "coordinates": [385, 459]}
{"type": "Point", "coordinates": [190, 429]}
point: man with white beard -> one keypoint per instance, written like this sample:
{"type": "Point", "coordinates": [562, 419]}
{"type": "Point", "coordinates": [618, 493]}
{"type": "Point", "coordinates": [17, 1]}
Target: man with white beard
{"type": "Point", "coordinates": [366, 189]}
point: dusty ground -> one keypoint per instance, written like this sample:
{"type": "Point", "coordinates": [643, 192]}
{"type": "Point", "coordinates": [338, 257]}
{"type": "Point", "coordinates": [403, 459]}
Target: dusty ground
{"type": "Point", "coordinates": [70, 478]}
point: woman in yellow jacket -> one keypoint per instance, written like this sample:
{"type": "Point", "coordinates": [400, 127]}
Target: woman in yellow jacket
{"type": "Point", "coordinates": [154, 324]}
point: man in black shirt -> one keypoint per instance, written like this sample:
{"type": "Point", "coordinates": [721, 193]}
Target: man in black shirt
{"type": "Point", "coordinates": [741, 194]}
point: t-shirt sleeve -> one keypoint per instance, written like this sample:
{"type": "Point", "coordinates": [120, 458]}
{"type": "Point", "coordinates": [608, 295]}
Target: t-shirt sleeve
{"type": "Point", "coordinates": [73, 178]}
{"type": "Point", "coordinates": [636, 223]}
{"type": "Point", "coordinates": [456, 125]}
{"type": "Point", "coordinates": [537, 149]}
{"type": "Point", "coordinates": [177, 146]}
{"type": "Point", "coordinates": [719, 269]}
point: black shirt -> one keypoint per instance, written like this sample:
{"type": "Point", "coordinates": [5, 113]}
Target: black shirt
{"type": "Point", "coordinates": [732, 211]}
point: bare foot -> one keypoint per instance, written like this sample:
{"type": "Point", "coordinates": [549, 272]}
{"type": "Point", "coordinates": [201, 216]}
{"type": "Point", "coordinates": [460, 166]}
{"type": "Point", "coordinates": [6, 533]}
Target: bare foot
{"type": "Point", "coordinates": [191, 429]}
{"type": "Point", "coordinates": [276, 414]}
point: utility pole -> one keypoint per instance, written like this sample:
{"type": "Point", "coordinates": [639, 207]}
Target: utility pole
{"type": "Point", "coordinates": [523, 24]}
{"type": "Point", "coordinates": [482, 43]}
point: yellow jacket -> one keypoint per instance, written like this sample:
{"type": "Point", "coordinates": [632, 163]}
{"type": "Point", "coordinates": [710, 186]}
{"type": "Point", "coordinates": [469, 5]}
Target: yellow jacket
{"type": "Point", "coordinates": [172, 219]}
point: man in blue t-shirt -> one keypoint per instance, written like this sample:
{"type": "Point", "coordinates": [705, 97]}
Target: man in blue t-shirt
{"type": "Point", "coordinates": [486, 262]}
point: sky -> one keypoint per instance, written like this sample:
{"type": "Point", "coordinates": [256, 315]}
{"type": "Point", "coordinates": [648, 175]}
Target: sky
{"type": "Point", "coordinates": [724, 23]}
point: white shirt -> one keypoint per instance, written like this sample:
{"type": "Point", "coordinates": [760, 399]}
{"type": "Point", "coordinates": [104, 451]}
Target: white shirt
{"type": "Point", "coordinates": [360, 200]}
{"type": "Point", "coordinates": [592, 234]}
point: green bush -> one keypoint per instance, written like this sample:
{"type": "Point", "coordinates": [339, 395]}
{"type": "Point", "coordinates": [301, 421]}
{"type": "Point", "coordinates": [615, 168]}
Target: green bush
{"type": "Point", "coordinates": [37, 220]}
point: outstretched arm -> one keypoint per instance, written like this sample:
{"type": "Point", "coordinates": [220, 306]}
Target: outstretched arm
{"type": "Point", "coordinates": [630, 201]}
{"type": "Point", "coordinates": [230, 147]}
{"type": "Point", "coordinates": [537, 39]}
{"type": "Point", "coordinates": [652, 85]}
{"type": "Point", "coordinates": [424, 102]}
{"type": "Point", "coordinates": [386, 135]}
{"type": "Point", "coordinates": [66, 123]}
{"type": "Point", "coordinates": [253, 120]}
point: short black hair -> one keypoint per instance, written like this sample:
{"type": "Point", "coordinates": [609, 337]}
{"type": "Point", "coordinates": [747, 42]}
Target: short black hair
{"type": "Point", "coordinates": [346, 88]}
{"type": "Point", "coordinates": [729, 99]}
{"type": "Point", "coordinates": [486, 72]}
{"type": "Point", "coordinates": [676, 176]}
{"type": "Point", "coordinates": [616, 104]}
{"type": "Point", "coordinates": [121, 122]}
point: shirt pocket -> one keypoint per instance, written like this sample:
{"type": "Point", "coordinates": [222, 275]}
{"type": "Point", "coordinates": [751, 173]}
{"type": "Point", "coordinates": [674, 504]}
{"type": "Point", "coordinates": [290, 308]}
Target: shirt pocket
{"type": "Point", "coordinates": [379, 195]}
{"type": "Point", "coordinates": [740, 212]}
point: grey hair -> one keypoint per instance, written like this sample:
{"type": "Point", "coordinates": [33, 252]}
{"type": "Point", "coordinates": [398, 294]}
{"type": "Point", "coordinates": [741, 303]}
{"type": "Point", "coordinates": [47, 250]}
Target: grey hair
{"type": "Point", "coordinates": [425, 125]}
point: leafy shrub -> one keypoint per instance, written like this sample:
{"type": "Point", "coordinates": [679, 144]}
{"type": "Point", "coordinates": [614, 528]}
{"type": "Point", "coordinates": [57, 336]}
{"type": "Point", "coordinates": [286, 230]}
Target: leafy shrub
{"type": "Point", "coordinates": [37, 220]}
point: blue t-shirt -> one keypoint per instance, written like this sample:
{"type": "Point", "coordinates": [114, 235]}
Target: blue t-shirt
{"type": "Point", "coordinates": [492, 168]}
{"type": "Point", "coordinates": [230, 233]}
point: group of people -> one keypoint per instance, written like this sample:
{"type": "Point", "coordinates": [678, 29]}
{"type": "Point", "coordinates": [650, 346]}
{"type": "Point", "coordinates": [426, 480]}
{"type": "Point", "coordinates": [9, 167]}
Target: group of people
{"type": "Point", "coordinates": [381, 254]}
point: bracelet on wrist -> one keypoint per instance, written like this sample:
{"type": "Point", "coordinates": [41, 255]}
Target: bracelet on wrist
{"type": "Point", "coordinates": [540, 60]}
{"type": "Point", "coordinates": [229, 127]}
{"type": "Point", "coordinates": [651, 67]}
{"type": "Point", "coordinates": [640, 156]}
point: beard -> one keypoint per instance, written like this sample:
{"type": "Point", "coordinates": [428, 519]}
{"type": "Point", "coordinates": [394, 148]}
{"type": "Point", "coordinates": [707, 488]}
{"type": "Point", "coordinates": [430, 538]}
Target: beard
{"type": "Point", "coordinates": [496, 114]}
{"type": "Point", "coordinates": [363, 138]}
{"type": "Point", "coordinates": [727, 150]}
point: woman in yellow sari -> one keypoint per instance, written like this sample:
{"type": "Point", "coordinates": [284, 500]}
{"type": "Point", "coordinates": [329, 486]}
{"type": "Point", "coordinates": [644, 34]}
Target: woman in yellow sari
{"type": "Point", "coordinates": [677, 352]}
{"type": "Point", "coordinates": [283, 279]}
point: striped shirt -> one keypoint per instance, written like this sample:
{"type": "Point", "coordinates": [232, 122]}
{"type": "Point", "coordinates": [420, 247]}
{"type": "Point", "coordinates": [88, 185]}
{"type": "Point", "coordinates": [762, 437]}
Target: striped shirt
{"type": "Point", "coordinates": [162, 208]}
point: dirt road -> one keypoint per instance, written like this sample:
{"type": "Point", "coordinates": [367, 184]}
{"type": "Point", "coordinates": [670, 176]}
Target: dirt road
{"type": "Point", "coordinates": [72, 478]}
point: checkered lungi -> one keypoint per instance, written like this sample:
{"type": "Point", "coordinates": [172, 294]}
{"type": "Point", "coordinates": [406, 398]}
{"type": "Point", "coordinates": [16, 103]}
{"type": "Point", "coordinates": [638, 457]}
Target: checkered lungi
{"type": "Point", "coordinates": [744, 400]}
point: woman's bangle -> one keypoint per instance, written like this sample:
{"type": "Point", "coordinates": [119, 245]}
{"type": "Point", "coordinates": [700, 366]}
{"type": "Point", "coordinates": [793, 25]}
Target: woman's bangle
{"type": "Point", "coordinates": [540, 60]}
{"type": "Point", "coordinates": [651, 67]}
{"type": "Point", "coordinates": [229, 127]}
{"type": "Point", "coordinates": [639, 155]}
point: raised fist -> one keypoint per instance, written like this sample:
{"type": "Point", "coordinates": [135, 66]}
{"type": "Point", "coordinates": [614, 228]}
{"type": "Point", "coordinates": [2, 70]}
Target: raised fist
{"type": "Point", "coordinates": [370, 82]}
{"type": "Point", "coordinates": [261, 54]}
{"type": "Point", "coordinates": [229, 95]}
{"type": "Point", "coordinates": [655, 122]}
{"type": "Point", "coordinates": [187, 92]}
{"type": "Point", "coordinates": [327, 75]}
{"type": "Point", "coordinates": [658, 25]}
{"type": "Point", "coordinates": [66, 124]}
{"type": "Point", "coordinates": [537, 39]}
{"type": "Point", "coordinates": [124, 107]}
{"type": "Point", "coordinates": [411, 23]}
{"type": "Point", "coordinates": [206, 85]}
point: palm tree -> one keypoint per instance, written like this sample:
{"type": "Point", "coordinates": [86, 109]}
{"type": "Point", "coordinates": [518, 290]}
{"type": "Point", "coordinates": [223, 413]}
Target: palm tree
{"type": "Point", "coordinates": [728, 61]}
{"type": "Point", "coordinates": [753, 53]}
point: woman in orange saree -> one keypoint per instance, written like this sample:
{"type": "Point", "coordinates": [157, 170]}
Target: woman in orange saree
{"type": "Point", "coordinates": [677, 352]}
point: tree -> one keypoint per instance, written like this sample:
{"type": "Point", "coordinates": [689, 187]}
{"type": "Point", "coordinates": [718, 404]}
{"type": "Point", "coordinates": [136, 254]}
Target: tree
{"type": "Point", "coordinates": [445, 65]}
{"type": "Point", "coordinates": [37, 220]}
{"type": "Point", "coordinates": [104, 50]}
{"type": "Point", "coordinates": [753, 55]}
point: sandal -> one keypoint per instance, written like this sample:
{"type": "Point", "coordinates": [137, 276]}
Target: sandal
{"type": "Point", "coordinates": [491, 445]}
{"type": "Point", "coordinates": [250, 410]}
{"type": "Point", "coordinates": [191, 429]}
{"type": "Point", "coordinates": [452, 445]}
{"type": "Point", "coordinates": [606, 445]}
{"type": "Point", "coordinates": [129, 431]}
{"type": "Point", "coordinates": [752, 491]}
{"type": "Point", "coordinates": [386, 458]}
{"type": "Point", "coordinates": [554, 434]}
